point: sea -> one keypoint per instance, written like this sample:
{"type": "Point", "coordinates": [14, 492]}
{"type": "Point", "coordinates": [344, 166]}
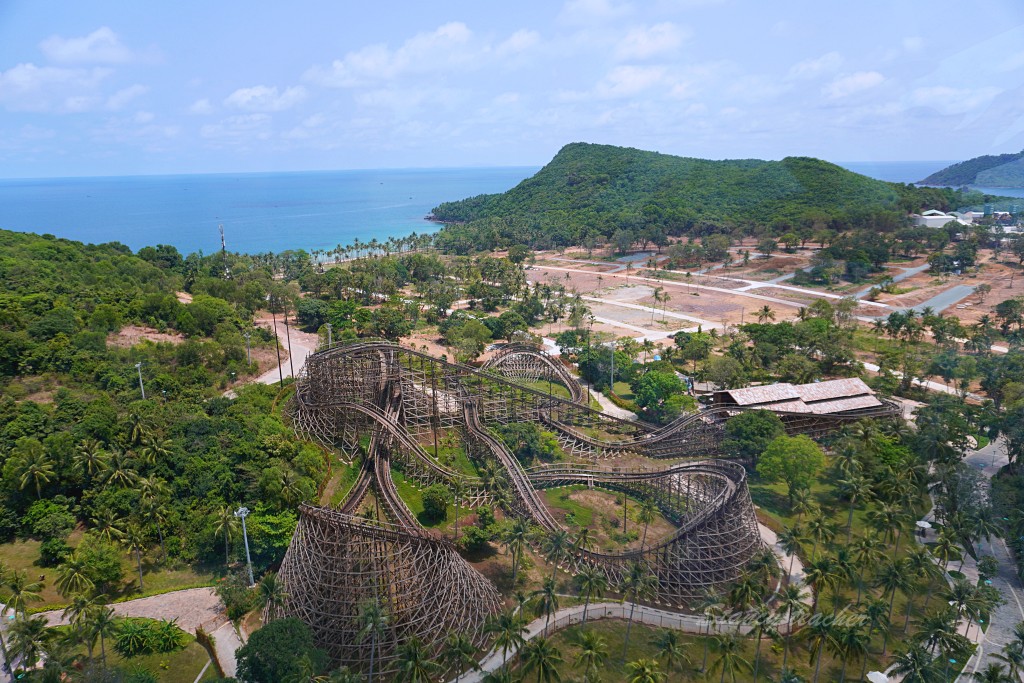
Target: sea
{"type": "Point", "coordinates": [273, 212]}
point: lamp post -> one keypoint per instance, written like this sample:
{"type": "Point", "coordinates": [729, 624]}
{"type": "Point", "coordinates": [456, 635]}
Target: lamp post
{"type": "Point", "coordinates": [242, 513]}
{"type": "Point", "coordinates": [330, 337]}
{"type": "Point", "coordinates": [248, 353]}
{"type": "Point", "coordinates": [138, 366]}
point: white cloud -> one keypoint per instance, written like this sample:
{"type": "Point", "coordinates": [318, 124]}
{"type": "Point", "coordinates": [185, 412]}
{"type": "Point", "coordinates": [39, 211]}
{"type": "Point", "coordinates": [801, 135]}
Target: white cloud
{"type": "Point", "coordinates": [913, 43]}
{"type": "Point", "coordinates": [577, 12]}
{"type": "Point", "coordinates": [947, 100]}
{"type": "Point", "coordinates": [264, 98]}
{"type": "Point", "coordinates": [102, 46]}
{"type": "Point", "coordinates": [644, 42]}
{"type": "Point", "coordinates": [623, 81]}
{"type": "Point", "coordinates": [424, 52]}
{"type": "Point", "coordinates": [238, 129]}
{"type": "Point", "coordinates": [812, 68]}
{"type": "Point", "coordinates": [520, 41]}
{"type": "Point", "coordinates": [844, 86]}
{"type": "Point", "coordinates": [27, 87]}
{"type": "Point", "coordinates": [201, 107]}
{"type": "Point", "coordinates": [122, 97]}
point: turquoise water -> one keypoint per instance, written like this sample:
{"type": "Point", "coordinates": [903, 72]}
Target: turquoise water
{"type": "Point", "coordinates": [264, 212]}
{"type": "Point", "coordinates": [260, 212]}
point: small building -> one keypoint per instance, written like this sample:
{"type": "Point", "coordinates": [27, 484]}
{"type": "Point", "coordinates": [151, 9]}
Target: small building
{"type": "Point", "coordinates": [837, 396]}
{"type": "Point", "coordinates": [933, 219]}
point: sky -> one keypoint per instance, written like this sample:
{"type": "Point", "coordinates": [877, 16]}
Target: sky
{"type": "Point", "coordinates": [121, 88]}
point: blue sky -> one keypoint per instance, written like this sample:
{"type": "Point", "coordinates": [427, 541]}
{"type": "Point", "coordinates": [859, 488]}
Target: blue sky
{"type": "Point", "coordinates": [118, 88]}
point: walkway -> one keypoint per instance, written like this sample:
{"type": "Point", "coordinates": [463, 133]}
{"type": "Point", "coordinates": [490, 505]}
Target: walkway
{"type": "Point", "coordinates": [301, 348]}
{"type": "Point", "coordinates": [643, 614]}
{"type": "Point", "coordinates": [191, 608]}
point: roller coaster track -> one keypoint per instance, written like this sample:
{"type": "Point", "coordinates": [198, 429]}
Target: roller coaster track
{"type": "Point", "coordinates": [534, 358]}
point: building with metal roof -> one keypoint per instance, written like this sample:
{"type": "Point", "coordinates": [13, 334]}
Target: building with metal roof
{"type": "Point", "coordinates": [846, 396]}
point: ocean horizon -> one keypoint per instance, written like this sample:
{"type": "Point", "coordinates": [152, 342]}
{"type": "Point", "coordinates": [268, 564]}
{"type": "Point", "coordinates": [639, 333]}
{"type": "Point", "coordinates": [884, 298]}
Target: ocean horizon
{"type": "Point", "coordinates": [275, 211]}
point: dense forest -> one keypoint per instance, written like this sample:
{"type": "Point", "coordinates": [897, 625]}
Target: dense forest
{"type": "Point", "coordinates": [1002, 170]}
{"type": "Point", "coordinates": [588, 192]}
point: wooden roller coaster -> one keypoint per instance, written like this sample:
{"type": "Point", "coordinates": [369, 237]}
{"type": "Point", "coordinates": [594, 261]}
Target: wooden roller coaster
{"type": "Point", "coordinates": [388, 404]}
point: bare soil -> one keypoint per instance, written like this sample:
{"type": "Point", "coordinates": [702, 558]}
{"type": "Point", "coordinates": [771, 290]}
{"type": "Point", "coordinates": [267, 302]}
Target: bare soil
{"type": "Point", "coordinates": [131, 335]}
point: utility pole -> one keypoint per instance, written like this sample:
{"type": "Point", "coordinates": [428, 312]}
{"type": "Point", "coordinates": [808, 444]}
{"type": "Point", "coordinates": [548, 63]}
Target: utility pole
{"type": "Point", "coordinates": [248, 353]}
{"type": "Point", "coordinates": [330, 337]}
{"type": "Point", "coordinates": [138, 366]}
{"type": "Point", "coordinates": [277, 341]}
{"type": "Point", "coordinates": [242, 513]}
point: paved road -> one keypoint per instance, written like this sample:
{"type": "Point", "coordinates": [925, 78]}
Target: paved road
{"type": "Point", "coordinates": [907, 272]}
{"type": "Point", "coordinates": [301, 347]}
{"type": "Point", "coordinates": [945, 299]}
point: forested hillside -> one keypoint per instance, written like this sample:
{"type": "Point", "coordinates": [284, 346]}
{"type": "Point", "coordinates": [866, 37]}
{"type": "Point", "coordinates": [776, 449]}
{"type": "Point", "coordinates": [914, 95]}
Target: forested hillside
{"type": "Point", "coordinates": [588, 192]}
{"type": "Point", "coordinates": [984, 170]}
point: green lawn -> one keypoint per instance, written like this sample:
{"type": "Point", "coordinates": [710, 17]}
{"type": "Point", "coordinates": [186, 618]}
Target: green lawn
{"type": "Point", "coordinates": [414, 499]}
{"type": "Point", "coordinates": [623, 390]}
{"type": "Point", "coordinates": [181, 666]}
{"type": "Point", "coordinates": [558, 498]}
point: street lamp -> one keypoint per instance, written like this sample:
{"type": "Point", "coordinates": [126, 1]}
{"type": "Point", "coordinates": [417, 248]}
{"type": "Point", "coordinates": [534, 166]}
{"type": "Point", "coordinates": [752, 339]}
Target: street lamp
{"type": "Point", "coordinates": [330, 336]}
{"type": "Point", "coordinates": [277, 341]}
{"type": "Point", "coordinates": [248, 353]}
{"type": "Point", "coordinates": [242, 513]}
{"type": "Point", "coordinates": [138, 366]}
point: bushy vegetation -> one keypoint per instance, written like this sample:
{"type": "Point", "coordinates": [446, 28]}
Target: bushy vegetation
{"type": "Point", "coordinates": [967, 172]}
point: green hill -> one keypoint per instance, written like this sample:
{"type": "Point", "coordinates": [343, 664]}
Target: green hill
{"type": "Point", "coordinates": [590, 191]}
{"type": "Point", "coordinates": [1003, 170]}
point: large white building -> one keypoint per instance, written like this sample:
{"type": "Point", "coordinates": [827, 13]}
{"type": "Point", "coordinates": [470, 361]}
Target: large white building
{"type": "Point", "coordinates": [936, 219]}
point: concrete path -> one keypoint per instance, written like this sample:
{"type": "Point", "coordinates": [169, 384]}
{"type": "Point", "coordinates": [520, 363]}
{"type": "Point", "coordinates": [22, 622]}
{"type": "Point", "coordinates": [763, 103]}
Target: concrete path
{"type": "Point", "coordinates": [191, 608]}
{"type": "Point", "coordinates": [907, 272]}
{"type": "Point", "coordinates": [301, 348]}
{"type": "Point", "coordinates": [643, 614]}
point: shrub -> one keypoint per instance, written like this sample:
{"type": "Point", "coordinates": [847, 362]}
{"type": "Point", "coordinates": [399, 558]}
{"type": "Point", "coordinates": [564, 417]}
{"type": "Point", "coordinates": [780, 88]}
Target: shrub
{"type": "Point", "coordinates": [236, 595]}
{"type": "Point", "coordinates": [435, 501]}
{"type": "Point", "coordinates": [53, 551]}
{"type": "Point", "coordinates": [51, 518]}
{"type": "Point", "coordinates": [138, 636]}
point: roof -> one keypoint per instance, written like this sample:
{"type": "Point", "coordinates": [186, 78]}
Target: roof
{"type": "Point", "coordinates": [933, 212]}
{"type": "Point", "coordinates": [832, 396]}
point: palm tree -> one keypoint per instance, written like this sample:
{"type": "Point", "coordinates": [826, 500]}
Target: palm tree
{"type": "Point", "coordinates": [889, 520]}
{"type": "Point", "coordinates": [29, 637]}
{"type": "Point", "coordinates": [593, 652]}
{"type": "Point", "coordinates": [78, 612]}
{"type": "Point", "coordinates": [820, 575]}
{"type": "Point", "coordinates": [272, 594]}
{"type": "Point", "coordinates": [591, 582]}
{"type": "Point", "coordinates": [765, 314]}
{"type": "Point", "coordinates": [135, 539]}
{"type": "Point", "coordinates": [22, 591]}
{"type": "Point", "coordinates": [946, 550]}
{"type": "Point", "coordinates": [414, 662]}
{"type": "Point", "coordinates": [867, 552]}
{"type": "Point", "coordinates": [119, 472]}
{"type": "Point", "coordinates": [938, 630]}
{"type": "Point", "coordinates": [993, 673]}
{"type": "Point", "coordinates": [791, 602]}
{"type": "Point", "coordinates": [745, 591]}
{"type": "Point", "coordinates": [790, 539]}
{"type": "Point", "coordinates": [921, 565]}
{"type": "Point", "coordinates": [90, 458]}
{"type": "Point", "coordinates": [802, 502]}
{"type": "Point", "coordinates": [547, 604]}
{"type": "Point", "coordinates": [820, 635]}
{"type": "Point", "coordinates": [710, 605]}
{"type": "Point", "coordinates": [508, 629]}
{"type": "Point", "coordinates": [225, 523]}
{"type": "Point", "coordinates": [73, 576]}
{"type": "Point", "coordinates": [638, 584]}
{"type": "Point", "coordinates": [821, 530]}
{"type": "Point", "coordinates": [761, 625]}
{"type": "Point", "coordinates": [670, 648]}
{"type": "Point", "coordinates": [893, 576]}
{"type": "Point", "coordinates": [646, 514]}
{"type": "Point", "coordinates": [108, 525]}
{"type": "Point", "coordinates": [916, 666]}
{"type": "Point", "coordinates": [644, 671]}
{"type": "Point", "coordinates": [555, 546]}
{"type": "Point", "coordinates": [34, 466]}
{"type": "Point", "coordinates": [730, 660]}
{"type": "Point", "coordinates": [515, 538]}
{"type": "Point", "coordinates": [459, 654]}
{"type": "Point", "coordinates": [154, 496]}
{"type": "Point", "coordinates": [1013, 656]}
{"type": "Point", "coordinates": [876, 611]}
{"type": "Point", "coordinates": [103, 624]}
{"type": "Point", "coordinates": [541, 655]}
{"type": "Point", "coordinates": [850, 642]}
{"type": "Point", "coordinates": [855, 487]}
{"type": "Point", "coordinates": [373, 620]}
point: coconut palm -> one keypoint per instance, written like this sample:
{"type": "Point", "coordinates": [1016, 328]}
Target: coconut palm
{"type": "Point", "coordinates": [555, 545]}
{"type": "Point", "coordinates": [541, 655]}
{"type": "Point", "coordinates": [866, 551]}
{"type": "Point", "coordinates": [790, 539]}
{"type": "Point", "coordinates": [747, 590]}
{"type": "Point", "coordinates": [373, 621]}
{"type": "Point", "coordinates": [916, 666]}
{"type": "Point", "coordinates": [820, 635]}
{"type": "Point", "coordinates": [90, 458]}
{"type": "Point", "coordinates": [876, 611]}
{"type": "Point", "coordinates": [638, 584]}
{"type": "Point", "coordinates": [272, 594]}
{"type": "Point", "coordinates": [729, 659]}
{"type": "Point", "coordinates": [225, 522]}
{"type": "Point", "coordinates": [889, 521]}
{"type": "Point", "coordinates": [547, 603]}
{"type": "Point", "coordinates": [593, 652]}
{"type": "Point", "coordinates": [515, 538]}
{"type": "Point", "coordinates": [821, 530]}
{"type": "Point", "coordinates": [508, 630]}
{"type": "Point", "coordinates": [73, 577]}
{"type": "Point", "coordinates": [892, 577]}
{"type": "Point", "coordinates": [762, 625]}
{"type": "Point", "coordinates": [921, 565]}
{"type": "Point", "coordinates": [1013, 656]}
{"type": "Point", "coordinates": [414, 662]}
{"type": "Point", "coordinates": [108, 525]}
{"type": "Point", "coordinates": [670, 648]}
{"type": "Point", "coordinates": [102, 625]}
{"type": "Point", "coordinates": [459, 654]}
{"type": "Point", "coordinates": [791, 603]}
{"type": "Point", "coordinates": [710, 606]}
{"type": "Point", "coordinates": [646, 514]}
{"type": "Point", "coordinates": [851, 642]}
{"type": "Point", "coordinates": [820, 575]}
{"type": "Point", "coordinates": [21, 591]}
{"type": "Point", "coordinates": [993, 673]}
{"type": "Point", "coordinates": [135, 539]}
{"type": "Point", "coordinates": [644, 671]}
{"type": "Point", "coordinates": [29, 638]}
{"type": "Point", "coordinates": [591, 582]}
{"type": "Point", "coordinates": [34, 466]}
{"type": "Point", "coordinates": [938, 631]}
{"type": "Point", "coordinates": [855, 488]}
{"type": "Point", "coordinates": [765, 314]}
